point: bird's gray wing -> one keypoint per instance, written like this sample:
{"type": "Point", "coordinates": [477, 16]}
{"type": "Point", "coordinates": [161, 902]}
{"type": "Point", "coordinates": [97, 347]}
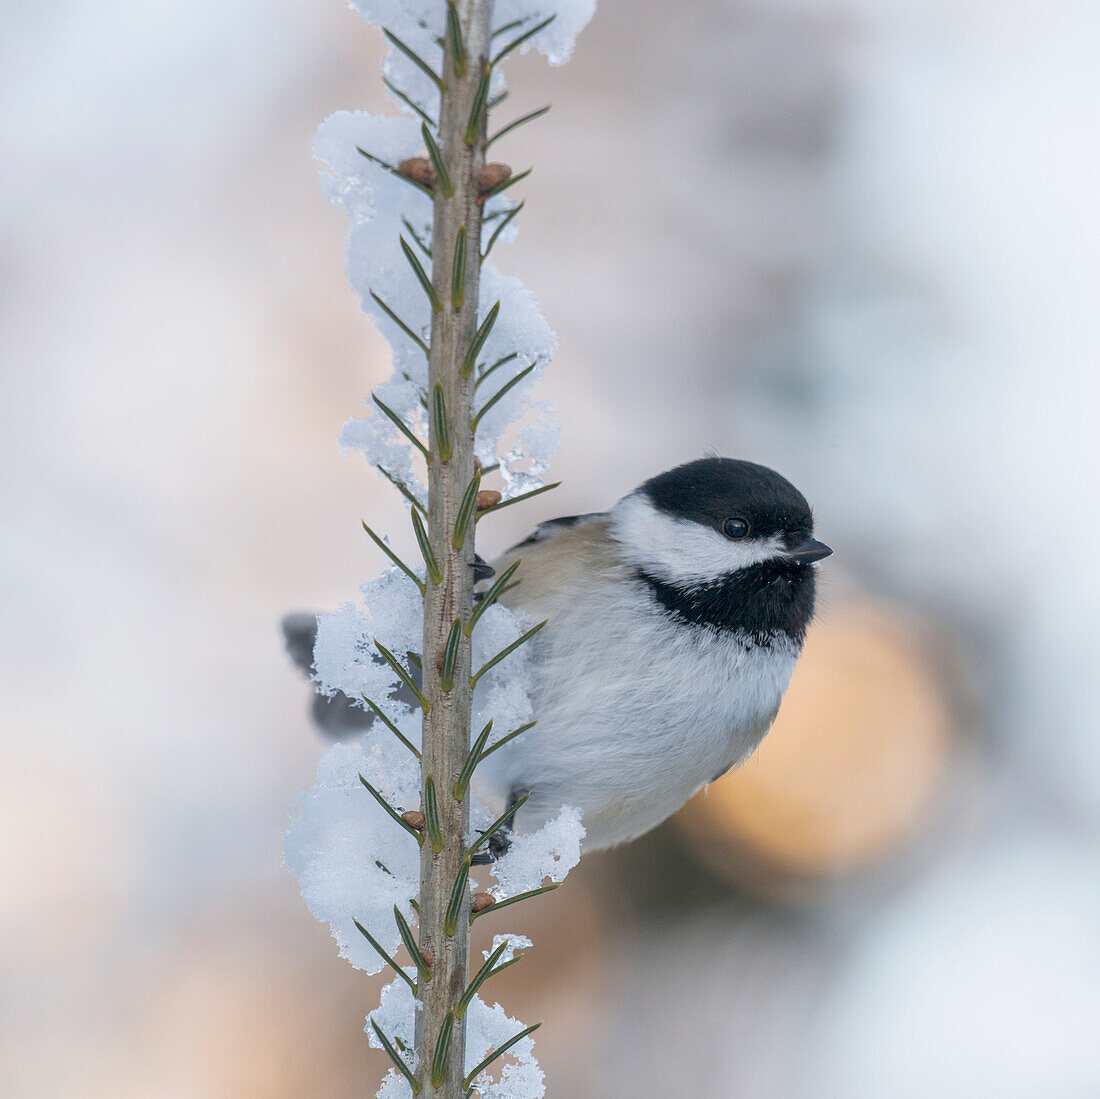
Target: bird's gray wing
{"type": "Point", "coordinates": [337, 715]}
{"type": "Point", "coordinates": [300, 635]}
{"type": "Point", "coordinates": [545, 531]}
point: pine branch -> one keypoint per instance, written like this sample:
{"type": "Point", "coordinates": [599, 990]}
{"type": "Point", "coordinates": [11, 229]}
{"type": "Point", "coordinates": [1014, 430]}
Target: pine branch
{"type": "Point", "coordinates": [517, 42]}
{"type": "Point", "coordinates": [504, 223]}
{"type": "Point", "coordinates": [499, 1051]}
{"type": "Point", "coordinates": [394, 171]}
{"type": "Point", "coordinates": [435, 574]}
{"type": "Point", "coordinates": [400, 323]}
{"type": "Point", "coordinates": [454, 34]}
{"type": "Point", "coordinates": [516, 899]}
{"type": "Point", "coordinates": [458, 270]}
{"type": "Point", "coordinates": [394, 558]}
{"type": "Point", "coordinates": [478, 342]}
{"type": "Point", "coordinates": [496, 366]}
{"type": "Point", "coordinates": [479, 109]}
{"type": "Point", "coordinates": [472, 759]}
{"type": "Point", "coordinates": [482, 975]}
{"type": "Point", "coordinates": [393, 813]}
{"type": "Point", "coordinates": [421, 276]}
{"type": "Point", "coordinates": [466, 510]}
{"type": "Point", "coordinates": [431, 815]}
{"type": "Point", "coordinates": [404, 489]}
{"type": "Point", "coordinates": [443, 1045]}
{"type": "Point", "coordinates": [402, 427]}
{"type": "Point", "coordinates": [504, 184]}
{"type": "Point", "coordinates": [496, 826]}
{"type": "Point", "coordinates": [505, 739]}
{"type": "Point", "coordinates": [403, 675]}
{"type": "Point", "coordinates": [442, 176]}
{"type": "Point", "coordinates": [423, 968]}
{"type": "Point", "coordinates": [416, 59]}
{"type": "Point", "coordinates": [459, 892]}
{"type": "Point", "coordinates": [517, 499]}
{"type": "Point", "coordinates": [416, 236]}
{"type": "Point", "coordinates": [491, 596]}
{"type": "Point", "coordinates": [530, 117]}
{"type": "Point", "coordinates": [399, 970]}
{"type": "Point", "coordinates": [501, 393]}
{"type": "Point", "coordinates": [404, 1069]}
{"type": "Point", "coordinates": [427, 118]}
{"type": "Point", "coordinates": [391, 726]}
{"type": "Point", "coordinates": [456, 149]}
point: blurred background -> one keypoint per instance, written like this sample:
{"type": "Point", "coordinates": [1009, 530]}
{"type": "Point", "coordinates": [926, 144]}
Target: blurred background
{"type": "Point", "coordinates": [856, 241]}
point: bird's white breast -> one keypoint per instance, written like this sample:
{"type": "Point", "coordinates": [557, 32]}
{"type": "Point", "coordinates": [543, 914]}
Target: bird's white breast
{"type": "Point", "coordinates": [636, 710]}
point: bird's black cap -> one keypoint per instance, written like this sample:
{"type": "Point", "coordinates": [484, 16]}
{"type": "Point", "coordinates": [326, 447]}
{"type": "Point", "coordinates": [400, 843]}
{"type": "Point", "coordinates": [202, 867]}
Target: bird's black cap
{"type": "Point", "coordinates": [762, 601]}
{"type": "Point", "coordinates": [711, 490]}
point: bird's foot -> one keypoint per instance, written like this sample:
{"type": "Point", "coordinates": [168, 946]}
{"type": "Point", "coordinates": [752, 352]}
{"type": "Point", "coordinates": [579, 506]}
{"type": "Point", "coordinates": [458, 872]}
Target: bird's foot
{"type": "Point", "coordinates": [500, 843]}
{"type": "Point", "coordinates": [482, 569]}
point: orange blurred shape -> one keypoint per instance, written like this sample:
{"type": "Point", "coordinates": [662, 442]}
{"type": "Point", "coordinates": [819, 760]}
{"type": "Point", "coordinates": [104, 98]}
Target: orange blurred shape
{"type": "Point", "coordinates": [65, 862]}
{"type": "Point", "coordinates": [246, 1002]}
{"type": "Point", "coordinates": [849, 769]}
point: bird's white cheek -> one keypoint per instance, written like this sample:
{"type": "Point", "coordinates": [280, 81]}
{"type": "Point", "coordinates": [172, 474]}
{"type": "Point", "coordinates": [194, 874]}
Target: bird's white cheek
{"type": "Point", "coordinates": [678, 550]}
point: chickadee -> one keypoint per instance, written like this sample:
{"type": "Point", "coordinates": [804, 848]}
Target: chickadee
{"type": "Point", "coordinates": [673, 624]}
{"type": "Point", "coordinates": [674, 621]}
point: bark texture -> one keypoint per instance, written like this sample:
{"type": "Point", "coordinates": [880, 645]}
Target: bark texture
{"type": "Point", "coordinates": [447, 723]}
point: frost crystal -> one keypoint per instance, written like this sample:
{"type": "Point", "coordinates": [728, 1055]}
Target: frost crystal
{"type": "Point", "coordinates": [340, 836]}
{"type": "Point", "coordinates": [489, 1027]}
{"type": "Point", "coordinates": [345, 656]}
{"type": "Point", "coordinates": [551, 852]}
{"type": "Point", "coordinates": [354, 863]}
{"type": "Point", "coordinates": [515, 942]}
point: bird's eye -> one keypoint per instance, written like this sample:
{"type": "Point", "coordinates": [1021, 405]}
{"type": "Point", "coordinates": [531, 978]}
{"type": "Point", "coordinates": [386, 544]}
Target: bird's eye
{"type": "Point", "coordinates": [735, 528]}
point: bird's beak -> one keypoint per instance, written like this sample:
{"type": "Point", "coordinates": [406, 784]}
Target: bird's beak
{"type": "Point", "coordinates": [809, 551]}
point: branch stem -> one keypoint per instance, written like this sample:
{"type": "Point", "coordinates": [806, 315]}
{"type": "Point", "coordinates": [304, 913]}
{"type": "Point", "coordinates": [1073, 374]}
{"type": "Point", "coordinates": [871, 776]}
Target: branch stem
{"type": "Point", "coordinates": [448, 599]}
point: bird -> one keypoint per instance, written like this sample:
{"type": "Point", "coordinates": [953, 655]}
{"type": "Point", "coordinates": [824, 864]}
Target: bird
{"type": "Point", "coordinates": [673, 624]}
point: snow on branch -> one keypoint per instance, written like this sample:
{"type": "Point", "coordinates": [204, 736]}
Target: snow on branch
{"type": "Point", "coordinates": [359, 835]}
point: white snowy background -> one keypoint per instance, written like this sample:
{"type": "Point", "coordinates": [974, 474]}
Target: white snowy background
{"type": "Point", "coordinates": [854, 240]}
